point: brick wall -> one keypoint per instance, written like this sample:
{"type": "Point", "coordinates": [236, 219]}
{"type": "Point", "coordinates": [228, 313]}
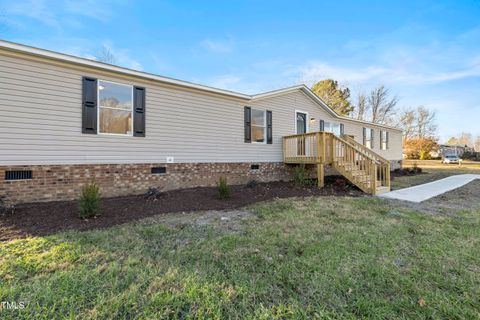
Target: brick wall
{"type": "Point", "coordinates": [64, 182]}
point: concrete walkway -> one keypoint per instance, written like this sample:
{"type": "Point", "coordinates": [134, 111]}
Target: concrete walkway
{"type": "Point", "coordinates": [432, 189]}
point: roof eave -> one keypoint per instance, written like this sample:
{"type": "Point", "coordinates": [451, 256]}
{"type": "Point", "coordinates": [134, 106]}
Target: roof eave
{"type": "Point", "coordinates": [10, 46]}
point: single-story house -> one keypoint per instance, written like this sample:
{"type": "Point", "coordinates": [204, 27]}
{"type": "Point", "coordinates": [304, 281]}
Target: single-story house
{"type": "Point", "coordinates": [451, 150]}
{"type": "Point", "coordinates": [66, 121]}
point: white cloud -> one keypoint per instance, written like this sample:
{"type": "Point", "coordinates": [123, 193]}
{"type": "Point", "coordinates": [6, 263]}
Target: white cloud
{"type": "Point", "coordinates": [412, 74]}
{"type": "Point", "coordinates": [35, 9]}
{"type": "Point", "coordinates": [56, 13]}
{"type": "Point", "coordinates": [218, 45]}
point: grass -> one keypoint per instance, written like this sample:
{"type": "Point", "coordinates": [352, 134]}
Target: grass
{"type": "Point", "coordinates": [324, 257]}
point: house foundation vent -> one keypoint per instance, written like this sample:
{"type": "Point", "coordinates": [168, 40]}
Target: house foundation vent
{"type": "Point", "coordinates": [159, 170]}
{"type": "Point", "coordinates": [18, 175]}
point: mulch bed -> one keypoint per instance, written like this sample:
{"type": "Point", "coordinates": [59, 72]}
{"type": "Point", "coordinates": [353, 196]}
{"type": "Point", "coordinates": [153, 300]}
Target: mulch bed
{"type": "Point", "coordinates": [40, 219]}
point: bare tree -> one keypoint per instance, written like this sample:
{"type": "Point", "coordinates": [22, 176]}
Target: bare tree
{"type": "Point", "coordinates": [106, 55]}
{"type": "Point", "coordinates": [476, 145]}
{"type": "Point", "coordinates": [408, 122]}
{"type": "Point", "coordinates": [417, 123]}
{"type": "Point", "coordinates": [465, 139]}
{"type": "Point", "coordinates": [361, 108]}
{"type": "Point", "coordinates": [426, 126]}
{"type": "Point", "coordinates": [378, 106]}
{"type": "Point", "coordinates": [382, 107]}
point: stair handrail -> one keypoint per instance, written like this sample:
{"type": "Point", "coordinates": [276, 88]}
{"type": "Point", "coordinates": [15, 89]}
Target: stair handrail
{"type": "Point", "coordinates": [365, 154]}
{"type": "Point", "coordinates": [365, 149]}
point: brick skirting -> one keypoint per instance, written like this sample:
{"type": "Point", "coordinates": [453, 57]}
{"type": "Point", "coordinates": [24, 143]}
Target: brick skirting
{"type": "Point", "coordinates": [64, 182]}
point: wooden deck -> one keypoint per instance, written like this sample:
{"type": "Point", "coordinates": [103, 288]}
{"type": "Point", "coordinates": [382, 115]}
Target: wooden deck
{"type": "Point", "coordinates": [363, 167]}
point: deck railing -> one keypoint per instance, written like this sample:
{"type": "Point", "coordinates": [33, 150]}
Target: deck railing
{"type": "Point", "coordinates": [360, 165]}
{"type": "Point", "coordinates": [306, 147]}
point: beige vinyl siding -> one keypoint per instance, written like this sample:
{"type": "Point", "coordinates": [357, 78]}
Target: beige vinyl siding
{"type": "Point", "coordinates": [40, 121]}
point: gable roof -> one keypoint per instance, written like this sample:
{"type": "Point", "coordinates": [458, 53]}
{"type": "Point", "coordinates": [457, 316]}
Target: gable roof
{"type": "Point", "coordinates": [61, 57]}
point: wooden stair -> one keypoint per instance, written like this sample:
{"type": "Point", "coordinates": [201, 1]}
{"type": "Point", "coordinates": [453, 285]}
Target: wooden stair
{"type": "Point", "coordinates": [360, 165]}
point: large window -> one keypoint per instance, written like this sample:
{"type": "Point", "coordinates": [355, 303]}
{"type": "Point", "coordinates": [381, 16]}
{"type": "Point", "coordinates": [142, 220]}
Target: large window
{"type": "Point", "coordinates": [115, 108]}
{"type": "Point", "coordinates": [258, 126]}
{"type": "Point", "coordinates": [333, 128]}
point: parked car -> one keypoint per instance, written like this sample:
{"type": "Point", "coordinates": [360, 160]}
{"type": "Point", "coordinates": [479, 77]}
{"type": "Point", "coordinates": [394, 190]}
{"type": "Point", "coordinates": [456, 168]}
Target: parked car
{"type": "Point", "coordinates": [451, 159]}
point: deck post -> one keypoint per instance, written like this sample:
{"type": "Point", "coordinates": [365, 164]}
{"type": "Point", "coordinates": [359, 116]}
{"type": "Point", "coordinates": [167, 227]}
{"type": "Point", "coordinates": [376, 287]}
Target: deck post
{"type": "Point", "coordinates": [321, 175]}
{"type": "Point", "coordinates": [373, 183]}
{"type": "Point", "coordinates": [321, 159]}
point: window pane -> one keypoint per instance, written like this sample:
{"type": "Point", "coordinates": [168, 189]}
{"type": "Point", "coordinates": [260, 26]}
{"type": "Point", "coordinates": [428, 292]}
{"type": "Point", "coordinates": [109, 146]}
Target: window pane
{"type": "Point", "coordinates": [258, 117]}
{"type": "Point", "coordinates": [327, 127]}
{"type": "Point", "coordinates": [301, 122]}
{"type": "Point", "coordinates": [115, 121]}
{"type": "Point", "coordinates": [336, 129]}
{"type": "Point", "coordinates": [113, 95]}
{"type": "Point", "coordinates": [258, 134]}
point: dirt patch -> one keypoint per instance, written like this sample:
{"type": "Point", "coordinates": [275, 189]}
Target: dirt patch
{"type": "Point", "coordinates": [39, 219]}
{"type": "Point", "coordinates": [464, 198]}
{"type": "Point", "coordinates": [226, 220]}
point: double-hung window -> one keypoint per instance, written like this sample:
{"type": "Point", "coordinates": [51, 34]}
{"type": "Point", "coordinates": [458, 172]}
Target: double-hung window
{"type": "Point", "coordinates": [259, 126]}
{"type": "Point", "coordinates": [115, 110]}
{"type": "Point", "coordinates": [368, 137]}
{"type": "Point", "coordinates": [383, 140]}
{"type": "Point", "coordinates": [333, 127]}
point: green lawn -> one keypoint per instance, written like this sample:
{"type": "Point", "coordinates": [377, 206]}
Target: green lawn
{"type": "Point", "coordinates": [322, 257]}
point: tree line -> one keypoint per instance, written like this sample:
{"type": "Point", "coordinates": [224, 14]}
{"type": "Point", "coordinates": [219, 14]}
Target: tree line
{"type": "Point", "coordinates": [380, 106]}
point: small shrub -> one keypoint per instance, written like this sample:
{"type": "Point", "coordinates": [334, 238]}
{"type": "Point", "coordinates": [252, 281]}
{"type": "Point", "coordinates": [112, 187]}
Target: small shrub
{"type": "Point", "coordinates": [89, 201]}
{"type": "Point", "coordinates": [223, 188]}
{"type": "Point", "coordinates": [252, 184]}
{"type": "Point", "coordinates": [300, 175]}
{"type": "Point", "coordinates": [153, 193]}
{"type": "Point", "coordinates": [415, 166]}
{"type": "Point", "coordinates": [6, 208]}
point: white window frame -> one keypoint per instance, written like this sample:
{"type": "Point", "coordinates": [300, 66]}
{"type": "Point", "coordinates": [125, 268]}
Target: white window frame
{"type": "Point", "coordinates": [307, 121]}
{"type": "Point", "coordinates": [368, 142]}
{"type": "Point", "coordinates": [255, 125]}
{"type": "Point", "coordinates": [99, 107]}
{"type": "Point", "coordinates": [383, 140]}
{"type": "Point", "coordinates": [331, 124]}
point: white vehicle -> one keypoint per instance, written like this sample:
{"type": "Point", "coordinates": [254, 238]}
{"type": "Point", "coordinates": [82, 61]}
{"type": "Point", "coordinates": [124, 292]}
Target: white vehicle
{"type": "Point", "coordinates": [451, 159]}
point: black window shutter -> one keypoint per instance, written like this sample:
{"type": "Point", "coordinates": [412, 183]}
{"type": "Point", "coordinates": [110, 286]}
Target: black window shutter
{"type": "Point", "coordinates": [139, 112]}
{"type": "Point", "coordinates": [364, 136]}
{"type": "Point", "coordinates": [342, 129]}
{"type": "Point", "coordinates": [248, 124]}
{"type": "Point", "coordinates": [89, 105]}
{"type": "Point", "coordinates": [372, 135]}
{"type": "Point", "coordinates": [387, 138]}
{"type": "Point", "coordinates": [381, 139]}
{"type": "Point", "coordinates": [322, 125]}
{"type": "Point", "coordinates": [269, 127]}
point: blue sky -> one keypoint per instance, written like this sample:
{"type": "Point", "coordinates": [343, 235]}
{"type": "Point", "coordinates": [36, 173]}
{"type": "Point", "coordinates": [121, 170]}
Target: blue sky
{"type": "Point", "coordinates": [426, 52]}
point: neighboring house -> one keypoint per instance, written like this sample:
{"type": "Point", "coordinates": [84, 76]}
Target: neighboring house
{"type": "Point", "coordinates": [451, 150]}
{"type": "Point", "coordinates": [66, 121]}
